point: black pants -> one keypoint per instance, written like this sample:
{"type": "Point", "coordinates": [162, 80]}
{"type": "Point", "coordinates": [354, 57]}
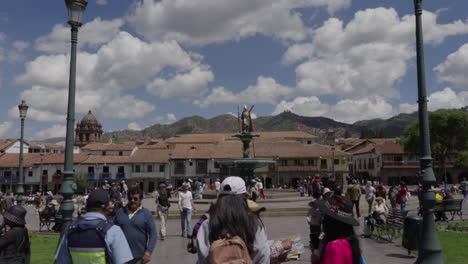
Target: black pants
{"type": "Point", "coordinates": [314, 236]}
{"type": "Point", "coordinates": [356, 204]}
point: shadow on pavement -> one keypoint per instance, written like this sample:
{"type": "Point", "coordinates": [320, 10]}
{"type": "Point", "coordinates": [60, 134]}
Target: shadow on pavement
{"type": "Point", "coordinates": [402, 256]}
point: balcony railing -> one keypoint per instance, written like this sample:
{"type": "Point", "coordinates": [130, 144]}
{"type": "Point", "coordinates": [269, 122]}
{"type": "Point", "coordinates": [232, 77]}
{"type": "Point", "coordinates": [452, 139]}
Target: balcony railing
{"type": "Point", "coordinates": [57, 178]}
{"type": "Point", "coordinates": [179, 170]}
{"type": "Point", "coordinates": [9, 179]}
{"type": "Point", "coordinates": [91, 176]}
{"type": "Point", "coordinates": [120, 176]}
{"type": "Point", "coordinates": [147, 174]}
{"type": "Point", "coordinates": [105, 176]}
{"type": "Point", "coordinates": [202, 170]}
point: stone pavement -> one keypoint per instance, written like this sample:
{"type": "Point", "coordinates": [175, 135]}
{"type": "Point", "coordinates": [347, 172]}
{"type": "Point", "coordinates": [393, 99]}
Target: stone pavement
{"type": "Point", "coordinates": [174, 248]}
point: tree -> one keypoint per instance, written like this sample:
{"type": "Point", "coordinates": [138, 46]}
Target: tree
{"type": "Point", "coordinates": [81, 181]}
{"type": "Point", "coordinates": [462, 160]}
{"type": "Point", "coordinates": [448, 133]}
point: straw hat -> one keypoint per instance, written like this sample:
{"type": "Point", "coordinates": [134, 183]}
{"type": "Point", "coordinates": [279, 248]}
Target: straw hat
{"type": "Point", "coordinates": [54, 202]}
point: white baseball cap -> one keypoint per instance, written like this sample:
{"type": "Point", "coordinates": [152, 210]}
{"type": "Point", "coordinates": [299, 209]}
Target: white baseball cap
{"type": "Point", "coordinates": [233, 185]}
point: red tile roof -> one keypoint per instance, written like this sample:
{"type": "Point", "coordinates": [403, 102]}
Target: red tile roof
{"type": "Point", "coordinates": [127, 146]}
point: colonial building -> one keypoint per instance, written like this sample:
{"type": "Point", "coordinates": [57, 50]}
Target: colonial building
{"type": "Point", "coordinates": [88, 130]}
{"type": "Point", "coordinates": [384, 160]}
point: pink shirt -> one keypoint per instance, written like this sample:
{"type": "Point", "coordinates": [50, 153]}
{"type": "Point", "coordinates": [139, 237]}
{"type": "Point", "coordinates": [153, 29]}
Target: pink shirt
{"type": "Point", "coordinates": [337, 252]}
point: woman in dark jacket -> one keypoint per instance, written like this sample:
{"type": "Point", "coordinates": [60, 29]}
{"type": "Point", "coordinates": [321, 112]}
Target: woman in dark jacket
{"type": "Point", "coordinates": [14, 244]}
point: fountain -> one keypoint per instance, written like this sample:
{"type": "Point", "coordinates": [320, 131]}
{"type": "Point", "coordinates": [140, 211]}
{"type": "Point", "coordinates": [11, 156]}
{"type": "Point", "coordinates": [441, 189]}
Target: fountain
{"type": "Point", "coordinates": [246, 165]}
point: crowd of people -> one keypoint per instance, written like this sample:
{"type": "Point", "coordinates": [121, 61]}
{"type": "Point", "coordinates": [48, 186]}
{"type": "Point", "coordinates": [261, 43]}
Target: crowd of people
{"type": "Point", "coordinates": [112, 226]}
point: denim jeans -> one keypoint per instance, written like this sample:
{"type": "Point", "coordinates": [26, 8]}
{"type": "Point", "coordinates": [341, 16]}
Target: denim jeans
{"type": "Point", "coordinates": [185, 217]}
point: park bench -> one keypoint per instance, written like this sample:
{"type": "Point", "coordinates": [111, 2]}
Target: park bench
{"type": "Point", "coordinates": [452, 206]}
{"type": "Point", "coordinates": [393, 226]}
{"type": "Point", "coordinates": [46, 218]}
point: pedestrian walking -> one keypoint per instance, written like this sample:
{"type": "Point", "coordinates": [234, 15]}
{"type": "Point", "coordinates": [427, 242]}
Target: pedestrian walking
{"type": "Point", "coordinates": [392, 196]}
{"type": "Point", "coordinates": [197, 188]}
{"type": "Point", "coordinates": [14, 244]}
{"type": "Point", "coordinates": [93, 239]}
{"type": "Point", "coordinates": [309, 186]}
{"type": "Point", "coordinates": [138, 226]}
{"type": "Point", "coordinates": [217, 185]}
{"type": "Point", "coordinates": [186, 206]}
{"type": "Point", "coordinates": [261, 190]}
{"type": "Point", "coordinates": [317, 187]}
{"type": "Point", "coordinates": [402, 196]}
{"type": "Point", "coordinates": [354, 193]}
{"type": "Point", "coordinates": [253, 191]}
{"type": "Point", "coordinates": [162, 205]}
{"type": "Point", "coordinates": [340, 245]}
{"type": "Point", "coordinates": [232, 231]}
{"type": "Point", "coordinates": [464, 188]}
{"type": "Point", "coordinates": [370, 195]}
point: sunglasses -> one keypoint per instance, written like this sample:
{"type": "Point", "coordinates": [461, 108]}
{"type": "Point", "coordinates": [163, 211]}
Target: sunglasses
{"type": "Point", "coordinates": [133, 198]}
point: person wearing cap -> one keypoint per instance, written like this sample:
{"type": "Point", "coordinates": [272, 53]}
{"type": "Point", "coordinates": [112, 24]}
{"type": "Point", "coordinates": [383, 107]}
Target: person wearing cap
{"type": "Point", "coordinates": [138, 226]}
{"type": "Point", "coordinates": [253, 190]}
{"type": "Point", "coordinates": [186, 206]}
{"type": "Point", "coordinates": [14, 244]}
{"type": "Point", "coordinates": [83, 240]}
{"type": "Point", "coordinates": [340, 243]}
{"type": "Point", "coordinates": [162, 204]}
{"type": "Point", "coordinates": [230, 216]}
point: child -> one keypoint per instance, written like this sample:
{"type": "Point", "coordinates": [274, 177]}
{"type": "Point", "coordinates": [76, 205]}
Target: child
{"type": "Point", "coordinates": [314, 218]}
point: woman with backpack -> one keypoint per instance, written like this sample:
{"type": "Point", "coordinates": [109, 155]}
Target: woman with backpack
{"type": "Point", "coordinates": [232, 231]}
{"type": "Point", "coordinates": [340, 245]}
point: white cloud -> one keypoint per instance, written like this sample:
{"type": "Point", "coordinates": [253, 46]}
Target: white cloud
{"type": "Point", "coordinates": [348, 111]}
{"type": "Point", "coordinates": [200, 22]}
{"type": "Point", "coordinates": [134, 126]}
{"type": "Point", "coordinates": [266, 90]}
{"type": "Point", "coordinates": [52, 132]}
{"type": "Point", "coordinates": [445, 99]}
{"type": "Point", "coordinates": [101, 2]}
{"type": "Point", "coordinates": [454, 69]}
{"type": "Point", "coordinates": [185, 84]}
{"type": "Point", "coordinates": [104, 77]}
{"type": "Point", "coordinates": [12, 52]}
{"type": "Point", "coordinates": [369, 55]}
{"type": "Point", "coordinates": [169, 118]}
{"type": "Point", "coordinates": [5, 127]}
{"type": "Point", "coordinates": [92, 34]}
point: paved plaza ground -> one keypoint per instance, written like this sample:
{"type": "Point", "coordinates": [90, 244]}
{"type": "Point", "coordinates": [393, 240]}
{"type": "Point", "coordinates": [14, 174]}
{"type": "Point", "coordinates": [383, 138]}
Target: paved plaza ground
{"type": "Point", "coordinates": [173, 249]}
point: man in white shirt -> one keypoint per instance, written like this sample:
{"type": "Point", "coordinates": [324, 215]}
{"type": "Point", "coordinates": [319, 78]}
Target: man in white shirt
{"type": "Point", "coordinates": [186, 207]}
{"type": "Point", "coordinates": [217, 185]}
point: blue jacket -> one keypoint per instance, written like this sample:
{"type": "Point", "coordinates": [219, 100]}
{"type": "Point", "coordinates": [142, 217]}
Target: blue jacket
{"type": "Point", "coordinates": [140, 231]}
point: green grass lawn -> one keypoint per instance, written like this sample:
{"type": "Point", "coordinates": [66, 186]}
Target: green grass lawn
{"type": "Point", "coordinates": [454, 247]}
{"type": "Point", "coordinates": [43, 248]}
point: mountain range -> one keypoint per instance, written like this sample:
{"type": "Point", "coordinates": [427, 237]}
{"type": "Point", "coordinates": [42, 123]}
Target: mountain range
{"type": "Point", "coordinates": [286, 121]}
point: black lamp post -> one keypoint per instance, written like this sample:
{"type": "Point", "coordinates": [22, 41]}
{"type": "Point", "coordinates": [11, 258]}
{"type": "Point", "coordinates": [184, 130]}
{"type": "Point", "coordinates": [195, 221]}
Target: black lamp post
{"type": "Point", "coordinates": [68, 187]}
{"type": "Point", "coordinates": [430, 250]}
{"type": "Point", "coordinates": [23, 109]}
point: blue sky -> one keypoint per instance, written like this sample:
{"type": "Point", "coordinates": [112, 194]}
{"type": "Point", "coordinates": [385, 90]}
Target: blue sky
{"type": "Point", "coordinates": [144, 62]}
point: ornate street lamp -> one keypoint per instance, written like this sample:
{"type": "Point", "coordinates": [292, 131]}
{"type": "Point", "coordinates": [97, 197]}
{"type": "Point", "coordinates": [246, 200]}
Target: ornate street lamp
{"type": "Point", "coordinates": [23, 110]}
{"type": "Point", "coordinates": [75, 13]}
{"type": "Point", "coordinates": [430, 250]}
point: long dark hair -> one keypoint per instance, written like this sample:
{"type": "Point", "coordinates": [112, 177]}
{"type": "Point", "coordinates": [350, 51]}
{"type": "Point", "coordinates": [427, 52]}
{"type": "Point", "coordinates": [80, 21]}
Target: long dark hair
{"type": "Point", "coordinates": [334, 230]}
{"type": "Point", "coordinates": [230, 216]}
